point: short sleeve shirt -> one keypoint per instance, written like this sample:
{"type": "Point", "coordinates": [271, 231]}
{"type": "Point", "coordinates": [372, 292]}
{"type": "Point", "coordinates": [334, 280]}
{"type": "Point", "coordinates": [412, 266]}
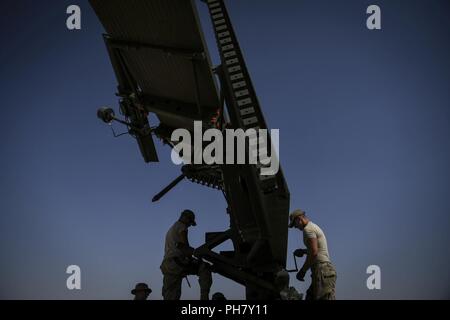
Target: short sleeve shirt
{"type": "Point", "coordinates": [173, 237]}
{"type": "Point", "coordinates": [313, 231]}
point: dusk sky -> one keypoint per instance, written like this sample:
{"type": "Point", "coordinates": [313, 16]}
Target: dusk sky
{"type": "Point", "coordinates": [364, 120]}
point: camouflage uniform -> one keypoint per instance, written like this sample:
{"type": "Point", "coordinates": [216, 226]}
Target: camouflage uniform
{"type": "Point", "coordinates": [177, 265]}
{"type": "Point", "coordinates": [323, 282]}
{"type": "Point", "coordinates": [174, 271]}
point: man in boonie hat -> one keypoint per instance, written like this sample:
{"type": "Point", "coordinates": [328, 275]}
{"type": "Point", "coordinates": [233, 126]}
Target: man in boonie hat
{"type": "Point", "coordinates": [141, 291]}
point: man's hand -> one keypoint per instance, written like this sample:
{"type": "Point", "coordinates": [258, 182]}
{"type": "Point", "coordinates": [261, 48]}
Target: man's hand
{"type": "Point", "coordinates": [300, 252]}
{"type": "Point", "coordinates": [196, 253]}
{"type": "Point", "coordinates": [301, 275]}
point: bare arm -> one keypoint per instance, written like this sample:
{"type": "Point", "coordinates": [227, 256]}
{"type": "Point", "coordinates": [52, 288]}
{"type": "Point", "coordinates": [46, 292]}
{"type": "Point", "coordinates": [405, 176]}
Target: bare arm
{"type": "Point", "coordinates": [313, 250]}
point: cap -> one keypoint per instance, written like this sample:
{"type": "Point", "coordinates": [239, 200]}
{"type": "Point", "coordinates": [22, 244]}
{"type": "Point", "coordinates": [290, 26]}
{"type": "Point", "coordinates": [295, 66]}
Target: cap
{"type": "Point", "coordinates": [189, 216]}
{"type": "Point", "coordinates": [295, 214]}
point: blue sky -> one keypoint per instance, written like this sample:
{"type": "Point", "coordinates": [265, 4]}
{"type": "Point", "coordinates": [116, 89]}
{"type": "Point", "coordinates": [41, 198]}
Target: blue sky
{"type": "Point", "coordinates": [364, 119]}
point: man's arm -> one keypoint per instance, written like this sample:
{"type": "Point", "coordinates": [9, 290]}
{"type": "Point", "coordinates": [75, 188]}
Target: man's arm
{"type": "Point", "coordinates": [311, 255]}
{"type": "Point", "coordinates": [184, 238]}
{"type": "Point", "coordinates": [313, 250]}
{"type": "Point", "coordinates": [183, 245]}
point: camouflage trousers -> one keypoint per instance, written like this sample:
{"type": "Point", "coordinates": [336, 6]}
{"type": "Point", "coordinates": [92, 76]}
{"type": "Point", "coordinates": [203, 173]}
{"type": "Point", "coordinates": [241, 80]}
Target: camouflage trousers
{"type": "Point", "coordinates": [174, 272]}
{"type": "Point", "coordinates": [323, 282]}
